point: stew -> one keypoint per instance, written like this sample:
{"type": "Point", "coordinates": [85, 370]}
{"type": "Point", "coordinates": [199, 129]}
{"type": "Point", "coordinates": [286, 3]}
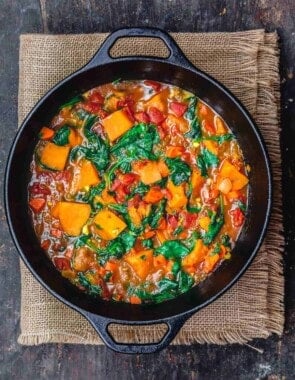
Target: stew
{"type": "Point", "coordinates": [138, 191]}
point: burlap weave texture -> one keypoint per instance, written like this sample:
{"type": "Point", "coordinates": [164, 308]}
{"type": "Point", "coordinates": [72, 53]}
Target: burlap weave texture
{"type": "Point", "coordinates": [247, 63]}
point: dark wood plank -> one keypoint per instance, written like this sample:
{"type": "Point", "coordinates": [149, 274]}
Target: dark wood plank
{"type": "Point", "coordinates": [183, 362]}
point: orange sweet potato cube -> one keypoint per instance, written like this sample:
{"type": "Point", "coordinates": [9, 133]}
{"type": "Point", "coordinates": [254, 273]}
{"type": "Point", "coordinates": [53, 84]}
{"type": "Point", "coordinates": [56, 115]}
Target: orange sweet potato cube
{"type": "Point", "coordinates": [116, 124]}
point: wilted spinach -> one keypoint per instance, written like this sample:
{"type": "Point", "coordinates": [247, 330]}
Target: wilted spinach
{"type": "Point", "coordinates": [61, 137]}
{"type": "Point", "coordinates": [206, 160]}
{"type": "Point", "coordinates": [90, 288]}
{"type": "Point", "coordinates": [180, 171]}
{"type": "Point", "coordinates": [172, 249]}
{"type": "Point", "coordinates": [195, 129]}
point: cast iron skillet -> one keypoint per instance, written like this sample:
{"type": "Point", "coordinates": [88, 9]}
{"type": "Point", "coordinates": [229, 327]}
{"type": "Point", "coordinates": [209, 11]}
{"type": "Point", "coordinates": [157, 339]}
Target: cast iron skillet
{"type": "Point", "coordinates": [177, 70]}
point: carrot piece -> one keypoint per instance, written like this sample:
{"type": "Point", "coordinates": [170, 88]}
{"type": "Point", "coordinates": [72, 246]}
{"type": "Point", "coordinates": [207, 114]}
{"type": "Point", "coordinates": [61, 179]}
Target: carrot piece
{"type": "Point", "coordinates": [108, 224]}
{"type": "Point", "coordinates": [154, 195]}
{"type": "Point", "coordinates": [228, 170]}
{"type": "Point", "coordinates": [37, 204]}
{"type": "Point", "coordinates": [74, 138]}
{"type": "Point", "coordinates": [204, 222]}
{"type": "Point", "coordinates": [46, 133]}
{"type": "Point", "coordinates": [179, 198]}
{"type": "Point", "coordinates": [116, 124]}
{"type": "Point", "coordinates": [141, 262]}
{"type": "Point", "coordinates": [85, 175]}
{"type": "Point", "coordinates": [72, 216]}
{"type": "Point", "coordinates": [210, 262]}
{"type": "Point", "coordinates": [148, 171]}
{"type": "Point", "coordinates": [197, 181]}
{"type": "Point", "coordinates": [174, 151]}
{"type": "Point", "coordinates": [134, 300]}
{"type": "Point", "coordinates": [54, 156]}
{"type": "Point", "coordinates": [219, 125]}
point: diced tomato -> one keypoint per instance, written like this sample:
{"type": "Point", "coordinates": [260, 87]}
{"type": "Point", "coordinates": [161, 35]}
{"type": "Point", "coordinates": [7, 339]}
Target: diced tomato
{"type": "Point", "coordinates": [172, 221]}
{"type": "Point", "coordinates": [208, 126]}
{"type": "Point", "coordinates": [55, 232]}
{"type": "Point", "coordinates": [190, 220]}
{"type": "Point", "coordinates": [128, 179]}
{"type": "Point", "coordinates": [96, 97]}
{"type": "Point", "coordinates": [37, 204]}
{"type": "Point", "coordinates": [155, 85]}
{"type": "Point", "coordinates": [134, 202]}
{"type": "Point", "coordinates": [129, 112]}
{"type": "Point", "coordinates": [178, 108]}
{"type": "Point", "coordinates": [237, 217]}
{"type": "Point", "coordinates": [62, 263]}
{"type": "Point", "coordinates": [121, 193]}
{"type": "Point", "coordinates": [39, 188]}
{"type": "Point", "coordinates": [115, 184]}
{"type": "Point", "coordinates": [142, 117]}
{"type": "Point", "coordinates": [156, 116]}
{"type": "Point", "coordinates": [45, 244]}
{"type": "Point", "coordinates": [162, 131]}
{"type": "Point", "coordinates": [95, 108]}
{"type": "Point", "coordinates": [65, 175]}
{"type": "Point", "coordinates": [167, 194]}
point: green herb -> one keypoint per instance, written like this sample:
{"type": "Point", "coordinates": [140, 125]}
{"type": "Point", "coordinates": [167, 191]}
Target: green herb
{"type": "Point", "coordinates": [91, 289]}
{"type": "Point", "coordinates": [176, 268]}
{"type": "Point", "coordinates": [178, 230]}
{"type": "Point", "coordinates": [140, 189]}
{"type": "Point", "coordinates": [73, 101]}
{"type": "Point", "coordinates": [216, 250]}
{"type": "Point", "coordinates": [172, 249]}
{"type": "Point", "coordinates": [61, 137]}
{"type": "Point", "coordinates": [81, 241]}
{"type": "Point", "coordinates": [185, 281]}
{"type": "Point", "coordinates": [180, 171]}
{"type": "Point", "coordinates": [91, 194]}
{"type": "Point", "coordinates": [191, 241]}
{"type": "Point", "coordinates": [107, 276]}
{"type": "Point", "coordinates": [206, 160]}
{"type": "Point", "coordinates": [242, 206]}
{"type": "Point", "coordinates": [193, 208]}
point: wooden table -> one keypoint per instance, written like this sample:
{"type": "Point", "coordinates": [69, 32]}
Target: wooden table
{"type": "Point", "coordinates": [181, 362]}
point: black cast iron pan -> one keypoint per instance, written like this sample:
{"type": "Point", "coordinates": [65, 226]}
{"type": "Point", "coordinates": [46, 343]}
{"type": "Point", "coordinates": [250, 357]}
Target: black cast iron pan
{"type": "Point", "coordinates": [177, 70]}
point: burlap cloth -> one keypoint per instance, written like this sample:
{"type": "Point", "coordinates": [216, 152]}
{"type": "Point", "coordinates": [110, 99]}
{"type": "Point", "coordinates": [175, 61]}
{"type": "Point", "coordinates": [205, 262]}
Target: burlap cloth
{"type": "Point", "coordinates": [247, 63]}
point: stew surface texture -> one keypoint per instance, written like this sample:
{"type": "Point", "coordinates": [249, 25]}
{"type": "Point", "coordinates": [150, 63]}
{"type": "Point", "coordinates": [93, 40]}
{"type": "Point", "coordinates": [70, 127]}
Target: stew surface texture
{"type": "Point", "coordinates": [138, 191]}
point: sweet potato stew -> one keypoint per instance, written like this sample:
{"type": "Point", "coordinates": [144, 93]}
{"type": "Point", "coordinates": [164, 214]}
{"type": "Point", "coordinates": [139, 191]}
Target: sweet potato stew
{"type": "Point", "coordinates": [138, 191]}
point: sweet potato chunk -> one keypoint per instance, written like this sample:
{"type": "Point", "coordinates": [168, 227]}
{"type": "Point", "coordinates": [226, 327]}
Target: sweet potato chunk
{"type": "Point", "coordinates": [85, 175]}
{"type": "Point", "coordinates": [54, 156]}
{"type": "Point", "coordinates": [228, 170]}
{"type": "Point", "coordinates": [159, 101]}
{"type": "Point", "coordinates": [196, 256]}
{"type": "Point", "coordinates": [72, 216]}
{"type": "Point", "coordinates": [141, 262]}
{"type": "Point", "coordinates": [116, 124]}
{"type": "Point", "coordinates": [108, 224]}
{"type": "Point", "coordinates": [148, 171]}
{"type": "Point", "coordinates": [178, 199]}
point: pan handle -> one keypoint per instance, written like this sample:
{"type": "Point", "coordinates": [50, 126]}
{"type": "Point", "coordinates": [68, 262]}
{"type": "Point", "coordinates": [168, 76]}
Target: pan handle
{"type": "Point", "coordinates": [102, 56]}
{"type": "Point", "coordinates": [101, 324]}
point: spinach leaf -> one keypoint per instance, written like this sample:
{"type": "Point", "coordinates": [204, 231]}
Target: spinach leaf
{"type": "Point", "coordinates": [156, 214]}
{"type": "Point", "coordinates": [61, 137]}
{"type": "Point", "coordinates": [193, 208]}
{"type": "Point", "coordinates": [185, 281]}
{"type": "Point", "coordinates": [180, 171]}
{"type": "Point", "coordinates": [242, 206]}
{"type": "Point", "coordinates": [225, 240]}
{"type": "Point", "coordinates": [117, 247]}
{"type": "Point", "coordinates": [217, 221]}
{"type": "Point", "coordinates": [206, 160]}
{"type": "Point", "coordinates": [172, 249]}
{"type": "Point", "coordinates": [195, 129]}
{"type": "Point", "coordinates": [81, 241]}
{"type": "Point", "coordinates": [91, 289]}
{"type": "Point", "coordinates": [71, 102]}
{"type": "Point", "coordinates": [147, 243]}
{"type": "Point", "coordinates": [136, 144]}
{"type": "Point", "coordinates": [94, 190]}
{"type": "Point", "coordinates": [140, 189]}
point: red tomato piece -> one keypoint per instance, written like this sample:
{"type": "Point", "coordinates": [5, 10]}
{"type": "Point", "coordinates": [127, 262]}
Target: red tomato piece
{"type": "Point", "coordinates": [128, 179]}
{"type": "Point", "coordinates": [45, 244]}
{"type": "Point", "coordinates": [96, 97]}
{"type": "Point", "coordinates": [156, 116]}
{"type": "Point", "coordinates": [62, 263]}
{"type": "Point", "coordinates": [155, 85]}
{"type": "Point", "coordinates": [190, 220]}
{"type": "Point", "coordinates": [178, 108]}
{"type": "Point", "coordinates": [208, 126]}
{"type": "Point", "coordinates": [237, 217]}
{"type": "Point", "coordinates": [55, 232]}
{"type": "Point", "coordinates": [39, 188]}
{"type": "Point", "coordinates": [135, 201]}
{"type": "Point", "coordinates": [172, 221]}
{"type": "Point", "coordinates": [142, 117]}
{"type": "Point", "coordinates": [37, 204]}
